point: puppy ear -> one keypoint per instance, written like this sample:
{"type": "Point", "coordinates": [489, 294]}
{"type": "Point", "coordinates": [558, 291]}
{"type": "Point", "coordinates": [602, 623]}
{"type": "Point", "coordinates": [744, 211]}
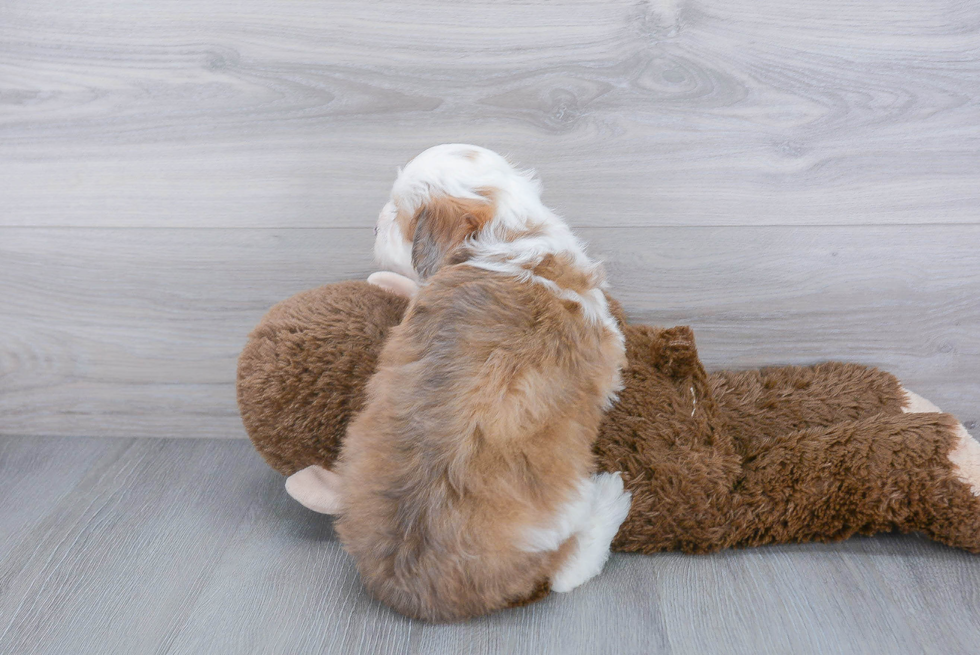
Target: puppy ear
{"type": "Point", "coordinates": [441, 227]}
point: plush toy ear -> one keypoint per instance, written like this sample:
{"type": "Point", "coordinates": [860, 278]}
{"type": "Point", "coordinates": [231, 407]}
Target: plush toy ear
{"type": "Point", "coordinates": [441, 227]}
{"type": "Point", "coordinates": [315, 488]}
{"type": "Point", "coordinates": [394, 283]}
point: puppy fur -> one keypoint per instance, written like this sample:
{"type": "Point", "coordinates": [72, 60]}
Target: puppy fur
{"type": "Point", "coordinates": [467, 481]}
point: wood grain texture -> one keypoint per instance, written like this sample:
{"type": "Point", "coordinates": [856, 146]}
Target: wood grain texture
{"type": "Point", "coordinates": [659, 112]}
{"type": "Point", "coordinates": [797, 180]}
{"type": "Point", "coordinates": [121, 332]}
{"type": "Point", "coordinates": [177, 546]}
{"type": "Point", "coordinates": [34, 480]}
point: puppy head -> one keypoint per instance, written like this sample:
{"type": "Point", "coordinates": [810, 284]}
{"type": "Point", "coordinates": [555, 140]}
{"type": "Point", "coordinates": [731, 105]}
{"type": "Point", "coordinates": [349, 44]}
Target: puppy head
{"type": "Point", "coordinates": [443, 198]}
{"type": "Point", "coordinates": [418, 243]}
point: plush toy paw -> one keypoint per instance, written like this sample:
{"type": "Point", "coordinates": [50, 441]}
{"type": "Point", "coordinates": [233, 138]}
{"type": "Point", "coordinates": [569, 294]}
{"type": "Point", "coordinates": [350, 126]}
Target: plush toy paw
{"type": "Point", "coordinates": [315, 488]}
{"type": "Point", "coordinates": [965, 455]}
{"type": "Point", "coordinates": [394, 283]}
{"type": "Point", "coordinates": [916, 404]}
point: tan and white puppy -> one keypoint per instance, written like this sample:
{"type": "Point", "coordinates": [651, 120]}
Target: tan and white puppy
{"type": "Point", "coordinates": [466, 483]}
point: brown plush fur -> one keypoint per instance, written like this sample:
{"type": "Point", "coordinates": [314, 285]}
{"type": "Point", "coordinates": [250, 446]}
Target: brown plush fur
{"type": "Point", "coordinates": [713, 461]}
{"type": "Point", "coordinates": [466, 442]}
{"type": "Point", "coordinates": [301, 377]}
{"type": "Point", "coordinates": [779, 455]}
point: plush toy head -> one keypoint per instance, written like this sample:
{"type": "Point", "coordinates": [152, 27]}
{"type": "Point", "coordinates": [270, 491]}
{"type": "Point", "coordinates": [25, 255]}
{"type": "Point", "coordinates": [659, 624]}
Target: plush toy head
{"type": "Point", "coordinates": [301, 376]}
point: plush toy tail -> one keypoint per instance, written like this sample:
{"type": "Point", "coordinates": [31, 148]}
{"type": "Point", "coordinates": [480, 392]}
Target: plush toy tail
{"type": "Point", "coordinates": [888, 472]}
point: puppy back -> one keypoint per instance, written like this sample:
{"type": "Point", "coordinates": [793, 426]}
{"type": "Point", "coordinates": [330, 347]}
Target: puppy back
{"type": "Point", "coordinates": [479, 423]}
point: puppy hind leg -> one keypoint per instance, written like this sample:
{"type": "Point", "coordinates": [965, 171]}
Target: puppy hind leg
{"type": "Point", "coordinates": [609, 504]}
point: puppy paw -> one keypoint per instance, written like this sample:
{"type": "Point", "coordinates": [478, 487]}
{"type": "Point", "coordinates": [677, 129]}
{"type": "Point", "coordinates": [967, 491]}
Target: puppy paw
{"type": "Point", "coordinates": [610, 502]}
{"type": "Point", "coordinates": [608, 507]}
{"type": "Point", "coordinates": [394, 283]}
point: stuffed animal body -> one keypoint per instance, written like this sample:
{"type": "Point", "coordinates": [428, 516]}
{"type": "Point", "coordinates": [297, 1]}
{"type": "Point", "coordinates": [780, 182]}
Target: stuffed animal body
{"type": "Point", "coordinates": [730, 459]}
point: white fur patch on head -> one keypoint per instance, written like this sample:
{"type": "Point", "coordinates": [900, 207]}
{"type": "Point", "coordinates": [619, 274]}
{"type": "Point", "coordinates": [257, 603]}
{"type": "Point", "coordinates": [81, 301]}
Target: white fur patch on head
{"type": "Point", "coordinates": [460, 170]}
{"type": "Point", "coordinates": [452, 170]}
{"type": "Point", "coordinates": [521, 233]}
{"type": "Point", "coordinates": [469, 172]}
{"type": "Point", "coordinates": [392, 248]}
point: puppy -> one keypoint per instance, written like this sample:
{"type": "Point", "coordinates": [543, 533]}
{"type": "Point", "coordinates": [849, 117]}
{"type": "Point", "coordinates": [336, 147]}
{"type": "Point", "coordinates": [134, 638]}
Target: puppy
{"type": "Point", "coordinates": [466, 482]}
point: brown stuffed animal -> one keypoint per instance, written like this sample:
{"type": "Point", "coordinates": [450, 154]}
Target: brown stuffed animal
{"type": "Point", "coordinates": [732, 459]}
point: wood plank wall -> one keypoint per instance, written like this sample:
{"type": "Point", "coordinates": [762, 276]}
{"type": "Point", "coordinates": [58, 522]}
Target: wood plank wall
{"type": "Point", "coordinates": [798, 181]}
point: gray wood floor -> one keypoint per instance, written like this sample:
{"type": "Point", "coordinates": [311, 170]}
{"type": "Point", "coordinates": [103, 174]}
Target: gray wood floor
{"type": "Point", "coordinates": [797, 180]}
{"type": "Point", "coordinates": [191, 546]}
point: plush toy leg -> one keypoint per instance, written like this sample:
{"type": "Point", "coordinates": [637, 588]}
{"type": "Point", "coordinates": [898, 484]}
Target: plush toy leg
{"type": "Point", "coordinates": [965, 455]}
{"type": "Point", "coordinates": [315, 488]}
{"type": "Point", "coordinates": [910, 472]}
{"type": "Point", "coordinates": [916, 404]}
{"type": "Point", "coordinates": [394, 283]}
{"type": "Point", "coordinates": [762, 404]}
